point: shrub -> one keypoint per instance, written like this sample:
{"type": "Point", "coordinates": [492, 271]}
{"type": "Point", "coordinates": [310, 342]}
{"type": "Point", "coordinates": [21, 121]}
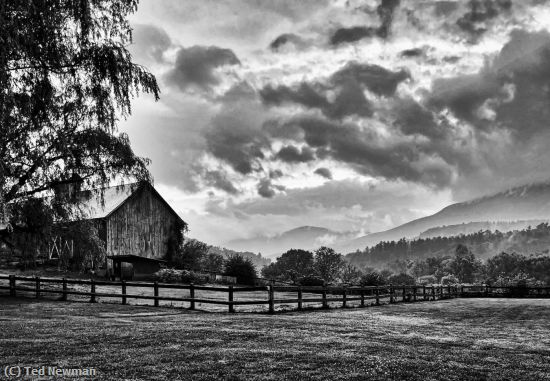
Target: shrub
{"type": "Point", "coordinates": [179, 276]}
{"type": "Point", "coordinates": [449, 279]}
{"type": "Point", "coordinates": [311, 280]}
{"type": "Point", "coordinates": [427, 279]}
{"type": "Point", "coordinates": [167, 275]}
{"type": "Point", "coordinates": [193, 277]}
{"type": "Point", "coordinates": [401, 279]}
{"type": "Point", "coordinates": [372, 278]}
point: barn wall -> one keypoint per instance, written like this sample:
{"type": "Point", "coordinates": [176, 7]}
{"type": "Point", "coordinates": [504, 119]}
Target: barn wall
{"type": "Point", "coordinates": [141, 226]}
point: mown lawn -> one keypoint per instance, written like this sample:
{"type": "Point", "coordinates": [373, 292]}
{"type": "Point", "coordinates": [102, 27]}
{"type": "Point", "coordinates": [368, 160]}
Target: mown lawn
{"type": "Point", "coordinates": [460, 339]}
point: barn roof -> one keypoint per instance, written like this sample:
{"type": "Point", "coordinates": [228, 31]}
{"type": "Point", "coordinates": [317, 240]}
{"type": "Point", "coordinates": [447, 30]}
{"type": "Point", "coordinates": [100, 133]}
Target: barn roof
{"type": "Point", "coordinates": [102, 203]}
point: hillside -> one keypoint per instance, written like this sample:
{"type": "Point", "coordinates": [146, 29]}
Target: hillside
{"type": "Point", "coordinates": [484, 244]}
{"type": "Point", "coordinates": [304, 237]}
{"type": "Point", "coordinates": [473, 227]}
{"type": "Point", "coordinates": [529, 202]}
{"type": "Point", "coordinates": [257, 259]}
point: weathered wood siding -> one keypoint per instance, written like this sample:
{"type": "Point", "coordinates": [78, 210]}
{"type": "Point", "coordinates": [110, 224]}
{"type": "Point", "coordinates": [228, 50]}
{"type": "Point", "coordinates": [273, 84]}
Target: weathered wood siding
{"type": "Point", "coordinates": [141, 226]}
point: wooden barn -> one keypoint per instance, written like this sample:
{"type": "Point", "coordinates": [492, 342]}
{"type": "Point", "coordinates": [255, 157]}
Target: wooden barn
{"type": "Point", "coordinates": [135, 223]}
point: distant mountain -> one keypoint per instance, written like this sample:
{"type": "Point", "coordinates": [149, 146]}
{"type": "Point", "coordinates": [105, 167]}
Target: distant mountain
{"type": "Point", "coordinates": [257, 259]}
{"type": "Point", "coordinates": [303, 237]}
{"type": "Point", "coordinates": [529, 202]}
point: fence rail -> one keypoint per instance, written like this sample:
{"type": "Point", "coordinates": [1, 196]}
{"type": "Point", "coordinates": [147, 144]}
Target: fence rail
{"type": "Point", "coordinates": [270, 296]}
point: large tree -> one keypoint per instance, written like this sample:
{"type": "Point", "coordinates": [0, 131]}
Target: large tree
{"type": "Point", "coordinates": [66, 78]}
{"type": "Point", "coordinates": [291, 266]}
{"type": "Point", "coordinates": [328, 264]}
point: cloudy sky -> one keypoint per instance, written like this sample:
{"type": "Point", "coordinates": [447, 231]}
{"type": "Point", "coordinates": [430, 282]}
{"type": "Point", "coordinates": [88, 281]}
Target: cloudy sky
{"type": "Point", "coordinates": [350, 115]}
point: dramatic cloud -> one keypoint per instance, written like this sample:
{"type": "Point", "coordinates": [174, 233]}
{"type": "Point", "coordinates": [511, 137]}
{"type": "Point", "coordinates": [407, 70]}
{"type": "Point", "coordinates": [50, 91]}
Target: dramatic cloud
{"type": "Point", "coordinates": [475, 21]}
{"type": "Point", "coordinates": [235, 137]}
{"type": "Point", "coordinates": [510, 91]}
{"type": "Point", "coordinates": [375, 78]}
{"type": "Point", "coordinates": [195, 66]}
{"type": "Point", "coordinates": [275, 174]}
{"type": "Point", "coordinates": [412, 118]}
{"type": "Point", "coordinates": [305, 94]}
{"type": "Point", "coordinates": [219, 180]}
{"type": "Point", "coordinates": [349, 98]}
{"type": "Point", "coordinates": [347, 86]}
{"type": "Point", "coordinates": [267, 189]}
{"type": "Point", "coordinates": [292, 154]}
{"type": "Point", "coordinates": [385, 13]}
{"type": "Point", "coordinates": [324, 172]}
{"type": "Point", "coordinates": [415, 52]}
{"type": "Point", "coordinates": [149, 43]}
{"type": "Point", "coordinates": [287, 39]}
{"type": "Point", "coordinates": [352, 34]}
{"type": "Point", "coordinates": [366, 152]}
{"type": "Point", "coordinates": [442, 97]}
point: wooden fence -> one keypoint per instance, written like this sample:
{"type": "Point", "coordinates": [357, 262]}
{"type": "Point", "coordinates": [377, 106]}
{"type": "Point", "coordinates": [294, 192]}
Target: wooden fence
{"type": "Point", "coordinates": [269, 296]}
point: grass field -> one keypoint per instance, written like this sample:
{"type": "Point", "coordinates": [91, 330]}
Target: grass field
{"type": "Point", "coordinates": [460, 339]}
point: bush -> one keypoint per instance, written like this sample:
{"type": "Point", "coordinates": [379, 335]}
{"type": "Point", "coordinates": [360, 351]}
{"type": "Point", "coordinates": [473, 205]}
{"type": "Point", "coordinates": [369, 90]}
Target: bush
{"type": "Point", "coordinates": [427, 279]}
{"type": "Point", "coordinates": [193, 277]}
{"type": "Point", "coordinates": [401, 279]}
{"type": "Point", "coordinates": [311, 280]}
{"type": "Point", "coordinates": [178, 276]}
{"type": "Point", "coordinates": [372, 278]}
{"type": "Point", "coordinates": [167, 276]}
{"type": "Point", "coordinates": [449, 279]}
{"type": "Point", "coordinates": [241, 268]}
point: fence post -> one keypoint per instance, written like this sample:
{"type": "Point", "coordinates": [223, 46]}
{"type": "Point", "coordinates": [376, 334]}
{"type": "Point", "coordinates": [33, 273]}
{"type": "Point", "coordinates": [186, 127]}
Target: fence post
{"type": "Point", "coordinates": [299, 298]}
{"type": "Point", "coordinates": [449, 291]}
{"type": "Point", "coordinates": [414, 293]}
{"type": "Point", "coordinates": [424, 292]}
{"type": "Point", "coordinates": [377, 291]}
{"type": "Point", "coordinates": [123, 284]}
{"type": "Point", "coordinates": [461, 290]}
{"type": "Point", "coordinates": [325, 303]}
{"type": "Point", "coordinates": [156, 293]}
{"type": "Point", "coordinates": [362, 297]}
{"type": "Point", "coordinates": [433, 292]}
{"type": "Point", "coordinates": [271, 297]}
{"type": "Point", "coordinates": [440, 291]}
{"type": "Point", "coordinates": [12, 285]}
{"type": "Point", "coordinates": [404, 293]}
{"type": "Point", "coordinates": [192, 296]}
{"type": "Point", "coordinates": [344, 297]}
{"type": "Point", "coordinates": [37, 283]}
{"type": "Point", "coordinates": [64, 295]}
{"type": "Point", "coordinates": [391, 293]}
{"type": "Point", "coordinates": [230, 296]}
{"type": "Point", "coordinates": [486, 290]}
{"type": "Point", "coordinates": [92, 291]}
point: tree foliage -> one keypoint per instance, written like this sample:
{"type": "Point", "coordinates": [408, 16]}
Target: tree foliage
{"type": "Point", "coordinates": [483, 243]}
{"type": "Point", "coordinates": [328, 264]}
{"type": "Point", "coordinates": [191, 255]}
{"type": "Point", "coordinates": [290, 266]}
{"type": "Point", "coordinates": [241, 268]}
{"type": "Point", "coordinates": [66, 78]}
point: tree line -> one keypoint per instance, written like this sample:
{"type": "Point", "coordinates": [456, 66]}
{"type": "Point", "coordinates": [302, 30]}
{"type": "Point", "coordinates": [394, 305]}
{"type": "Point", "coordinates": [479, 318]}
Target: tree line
{"type": "Point", "coordinates": [325, 266]}
{"type": "Point", "coordinates": [484, 243]}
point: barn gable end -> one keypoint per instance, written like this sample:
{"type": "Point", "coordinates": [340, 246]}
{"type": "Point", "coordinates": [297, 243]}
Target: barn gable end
{"type": "Point", "coordinates": [142, 225]}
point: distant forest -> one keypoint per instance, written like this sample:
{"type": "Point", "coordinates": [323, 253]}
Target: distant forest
{"type": "Point", "coordinates": [483, 244]}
